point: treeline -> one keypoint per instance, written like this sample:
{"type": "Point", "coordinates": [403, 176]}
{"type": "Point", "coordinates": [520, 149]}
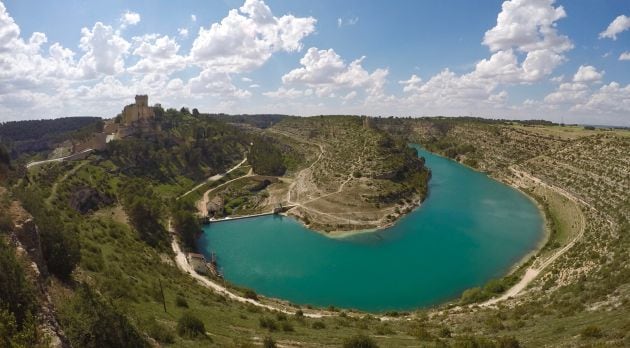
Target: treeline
{"type": "Point", "coordinates": [266, 158]}
{"type": "Point", "coordinates": [259, 121]}
{"type": "Point", "coordinates": [32, 136]}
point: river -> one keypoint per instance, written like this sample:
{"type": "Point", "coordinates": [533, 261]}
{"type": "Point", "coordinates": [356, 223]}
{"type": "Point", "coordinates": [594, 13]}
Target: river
{"type": "Point", "coordinates": [469, 230]}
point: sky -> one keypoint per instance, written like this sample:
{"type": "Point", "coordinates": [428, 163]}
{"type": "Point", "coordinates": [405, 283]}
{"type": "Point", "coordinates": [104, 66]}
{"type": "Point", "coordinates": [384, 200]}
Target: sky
{"type": "Point", "coordinates": [564, 61]}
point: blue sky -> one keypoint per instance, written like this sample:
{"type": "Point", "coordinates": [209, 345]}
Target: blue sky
{"type": "Point", "coordinates": [513, 59]}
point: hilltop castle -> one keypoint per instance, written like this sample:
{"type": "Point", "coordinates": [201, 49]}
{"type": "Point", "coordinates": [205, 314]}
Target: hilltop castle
{"type": "Point", "coordinates": [140, 111]}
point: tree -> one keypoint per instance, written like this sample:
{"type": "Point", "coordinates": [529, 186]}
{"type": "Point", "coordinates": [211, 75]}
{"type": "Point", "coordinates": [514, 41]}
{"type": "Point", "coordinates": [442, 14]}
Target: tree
{"type": "Point", "coordinates": [195, 112]}
{"type": "Point", "coordinates": [188, 227]}
{"type": "Point", "coordinates": [266, 158]}
{"type": "Point", "coordinates": [145, 209]}
{"type": "Point", "coordinates": [60, 245]}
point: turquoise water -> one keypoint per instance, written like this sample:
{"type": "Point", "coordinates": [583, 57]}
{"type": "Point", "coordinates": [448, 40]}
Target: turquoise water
{"type": "Point", "coordinates": [470, 229]}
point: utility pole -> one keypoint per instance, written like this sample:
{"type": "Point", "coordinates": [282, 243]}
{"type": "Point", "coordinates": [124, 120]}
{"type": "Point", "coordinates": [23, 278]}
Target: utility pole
{"type": "Point", "coordinates": [162, 292]}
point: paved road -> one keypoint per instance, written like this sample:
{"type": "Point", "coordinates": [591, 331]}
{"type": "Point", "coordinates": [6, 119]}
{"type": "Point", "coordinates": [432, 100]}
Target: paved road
{"type": "Point", "coordinates": [60, 159]}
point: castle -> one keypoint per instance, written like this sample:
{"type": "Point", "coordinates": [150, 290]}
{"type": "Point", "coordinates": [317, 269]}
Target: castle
{"type": "Point", "coordinates": [140, 111]}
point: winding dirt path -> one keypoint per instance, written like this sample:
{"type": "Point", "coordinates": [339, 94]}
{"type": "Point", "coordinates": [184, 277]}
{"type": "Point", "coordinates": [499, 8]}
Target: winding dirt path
{"type": "Point", "coordinates": [532, 272]}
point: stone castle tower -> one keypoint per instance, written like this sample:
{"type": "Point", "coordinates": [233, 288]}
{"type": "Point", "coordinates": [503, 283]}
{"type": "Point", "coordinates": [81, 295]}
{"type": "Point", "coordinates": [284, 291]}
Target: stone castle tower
{"type": "Point", "coordinates": [140, 111]}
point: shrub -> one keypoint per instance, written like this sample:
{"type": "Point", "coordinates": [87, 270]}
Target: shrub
{"type": "Point", "coordinates": [160, 332]}
{"type": "Point", "coordinates": [287, 327]}
{"type": "Point", "coordinates": [299, 313]}
{"type": "Point", "coordinates": [268, 323]}
{"type": "Point", "coordinates": [592, 332]}
{"type": "Point", "coordinates": [359, 341]}
{"type": "Point", "coordinates": [318, 325]}
{"type": "Point", "coordinates": [181, 302]}
{"type": "Point", "coordinates": [251, 294]}
{"type": "Point", "coordinates": [190, 326]}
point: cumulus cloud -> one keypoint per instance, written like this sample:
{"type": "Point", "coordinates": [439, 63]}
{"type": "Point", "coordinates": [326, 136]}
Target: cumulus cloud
{"type": "Point", "coordinates": [104, 51]}
{"type": "Point", "coordinates": [525, 47]}
{"type": "Point", "coordinates": [587, 73]}
{"type": "Point", "coordinates": [247, 37]}
{"type": "Point", "coordinates": [412, 85]}
{"type": "Point", "coordinates": [625, 56]}
{"type": "Point", "coordinates": [129, 18]}
{"type": "Point", "coordinates": [612, 99]}
{"type": "Point", "coordinates": [326, 72]}
{"type": "Point", "coordinates": [183, 32]}
{"type": "Point", "coordinates": [527, 27]}
{"type": "Point", "coordinates": [159, 54]}
{"type": "Point", "coordinates": [216, 84]}
{"type": "Point", "coordinates": [617, 26]}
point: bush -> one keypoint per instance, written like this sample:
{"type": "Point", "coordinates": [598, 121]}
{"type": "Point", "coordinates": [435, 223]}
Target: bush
{"type": "Point", "coordinates": [318, 325]}
{"type": "Point", "coordinates": [359, 341]}
{"type": "Point", "coordinates": [161, 332]}
{"type": "Point", "coordinates": [251, 294]}
{"type": "Point", "coordinates": [190, 326]}
{"type": "Point", "coordinates": [592, 332]}
{"type": "Point", "coordinates": [287, 327]}
{"type": "Point", "coordinates": [181, 302]}
{"type": "Point", "coordinates": [268, 323]}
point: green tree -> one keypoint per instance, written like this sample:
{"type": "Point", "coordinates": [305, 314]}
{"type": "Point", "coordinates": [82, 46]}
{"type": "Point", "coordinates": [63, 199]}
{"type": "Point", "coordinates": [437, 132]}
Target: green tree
{"type": "Point", "coordinates": [60, 245]}
{"type": "Point", "coordinates": [90, 322]}
{"type": "Point", "coordinates": [188, 227]}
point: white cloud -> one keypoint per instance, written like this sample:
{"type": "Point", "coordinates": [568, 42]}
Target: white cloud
{"type": "Point", "coordinates": [624, 56]}
{"type": "Point", "coordinates": [326, 72]}
{"type": "Point", "coordinates": [216, 84]}
{"type": "Point", "coordinates": [129, 18]}
{"type": "Point", "coordinates": [412, 85]}
{"type": "Point", "coordinates": [617, 26]}
{"type": "Point", "coordinates": [283, 93]}
{"type": "Point", "coordinates": [347, 22]}
{"type": "Point", "coordinates": [528, 25]}
{"type": "Point", "coordinates": [159, 55]}
{"type": "Point", "coordinates": [247, 37]}
{"type": "Point", "coordinates": [568, 93]}
{"type": "Point", "coordinates": [246, 79]}
{"type": "Point", "coordinates": [104, 51]}
{"type": "Point", "coordinates": [587, 73]}
{"type": "Point", "coordinates": [193, 17]}
{"type": "Point", "coordinates": [611, 99]}
{"type": "Point", "coordinates": [183, 32]}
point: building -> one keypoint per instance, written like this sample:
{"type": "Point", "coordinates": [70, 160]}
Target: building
{"type": "Point", "coordinates": [198, 262]}
{"type": "Point", "coordinates": [138, 112]}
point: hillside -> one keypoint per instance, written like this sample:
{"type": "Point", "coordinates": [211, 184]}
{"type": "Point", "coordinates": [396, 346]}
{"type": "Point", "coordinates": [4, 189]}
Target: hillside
{"type": "Point", "coordinates": [117, 280]}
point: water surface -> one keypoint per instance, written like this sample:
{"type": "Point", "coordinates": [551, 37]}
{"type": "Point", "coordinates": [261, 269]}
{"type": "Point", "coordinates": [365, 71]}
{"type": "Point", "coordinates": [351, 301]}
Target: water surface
{"type": "Point", "coordinates": [470, 229]}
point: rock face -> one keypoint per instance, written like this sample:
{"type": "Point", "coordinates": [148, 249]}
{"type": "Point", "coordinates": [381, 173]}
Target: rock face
{"type": "Point", "coordinates": [27, 234]}
{"type": "Point", "coordinates": [26, 238]}
{"type": "Point", "coordinates": [89, 199]}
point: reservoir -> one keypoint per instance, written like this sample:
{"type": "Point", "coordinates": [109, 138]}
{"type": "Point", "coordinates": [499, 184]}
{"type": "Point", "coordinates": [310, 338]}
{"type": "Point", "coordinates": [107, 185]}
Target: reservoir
{"type": "Point", "coordinates": [469, 230]}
